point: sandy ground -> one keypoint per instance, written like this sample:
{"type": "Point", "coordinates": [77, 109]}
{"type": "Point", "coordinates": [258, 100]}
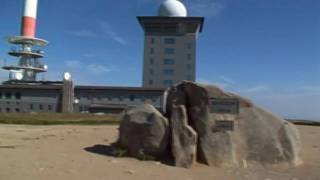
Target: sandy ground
{"type": "Point", "coordinates": [81, 152]}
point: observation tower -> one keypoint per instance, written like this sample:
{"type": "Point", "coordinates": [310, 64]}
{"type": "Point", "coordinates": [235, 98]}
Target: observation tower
{"type": "Point", "coordinates": [29, 64]}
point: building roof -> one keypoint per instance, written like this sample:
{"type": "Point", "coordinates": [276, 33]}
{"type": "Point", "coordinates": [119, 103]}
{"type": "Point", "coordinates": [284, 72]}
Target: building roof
{"type": "Point", "coordinates": [120, 88]}
{"type": "Point", "coordinates": [161, 19]}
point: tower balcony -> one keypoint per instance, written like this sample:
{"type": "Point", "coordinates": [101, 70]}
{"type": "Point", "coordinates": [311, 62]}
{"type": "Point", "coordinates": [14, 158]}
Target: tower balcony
{"type": "Point", "coordinates": [38, 69]}
{"type": "Point", "coordinates": [23, 53]}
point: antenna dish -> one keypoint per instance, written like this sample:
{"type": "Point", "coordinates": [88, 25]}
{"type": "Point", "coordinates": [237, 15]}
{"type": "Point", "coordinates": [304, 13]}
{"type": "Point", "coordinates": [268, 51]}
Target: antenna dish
{"type": "Point", "coordinates": [18, 76]}
{"type": "Point", "coordinates": [67, 76]}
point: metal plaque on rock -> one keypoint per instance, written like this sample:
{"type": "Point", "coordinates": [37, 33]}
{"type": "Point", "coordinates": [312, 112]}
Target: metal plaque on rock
{"type": "Point", "coordinates": [224, 106]}
{"type": "Point", "coordinates": [225, 125]}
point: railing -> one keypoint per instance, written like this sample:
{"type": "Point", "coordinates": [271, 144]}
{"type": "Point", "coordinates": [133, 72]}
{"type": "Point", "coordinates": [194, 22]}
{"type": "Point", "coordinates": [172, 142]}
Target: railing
{"type": "Point", "coordinates": [23, 51]}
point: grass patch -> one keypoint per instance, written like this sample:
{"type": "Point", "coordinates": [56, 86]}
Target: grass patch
{"type": "Point", "coordinates": [58, 119]}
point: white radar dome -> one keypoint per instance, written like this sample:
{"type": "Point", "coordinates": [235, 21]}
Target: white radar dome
{"type": "Point", "coordinates": [172, 8]}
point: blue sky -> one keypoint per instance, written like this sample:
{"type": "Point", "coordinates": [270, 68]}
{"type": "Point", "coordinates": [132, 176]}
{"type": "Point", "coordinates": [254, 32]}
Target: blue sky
{"type": "Point", "coordinates": [267, 50]}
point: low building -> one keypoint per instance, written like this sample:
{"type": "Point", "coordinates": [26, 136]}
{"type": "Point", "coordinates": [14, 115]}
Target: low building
{"type": "Point", "coordinates": [48, 97]}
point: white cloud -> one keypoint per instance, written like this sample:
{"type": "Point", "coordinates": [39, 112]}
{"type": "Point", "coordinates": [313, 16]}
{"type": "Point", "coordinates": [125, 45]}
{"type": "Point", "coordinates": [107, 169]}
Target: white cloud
{"type": "Point", "coordinates": [255, 89]}
{"type": "Point", "coordinates": [223, 85]}
{"type": "Point", "coordinates": [93, 69]}
{"type": "Point", "coordinates": [104, 31]}
{"type": "Point", "coordinates": [311, 89]}
{"type": "Point", "coordinates": [97, 69]}
{"type": "Point", "coordinates": [207, 8]}
{"type": "Point", "coordinates": [222, 81]}
{"type": "Point", "coordinates": [85, 33]}
{"type": "Point", "coordinates": [111, 33]}
{"type": "Point", "coordinates": [227, 79]}
{"type": "Point", "coordinates": [73, 64]}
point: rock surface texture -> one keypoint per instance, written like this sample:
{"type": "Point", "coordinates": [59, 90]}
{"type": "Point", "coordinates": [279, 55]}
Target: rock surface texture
{"type": "Point", "coordinates": [184, 138]}
{"type": "Point", "coordinates": [214, 127]}
{"type": "Point", "coordinates": [230, 135]}
{"type": "Point", "coordinates": [144, 132]}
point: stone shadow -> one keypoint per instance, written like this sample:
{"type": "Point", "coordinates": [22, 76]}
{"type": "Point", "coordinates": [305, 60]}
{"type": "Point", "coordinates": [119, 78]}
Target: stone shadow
{"type": "Point", "coordinates": [105, 150]}
{"type": "Point", "coordinates": [110, 150]}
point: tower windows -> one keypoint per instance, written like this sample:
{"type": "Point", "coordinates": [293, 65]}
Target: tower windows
{"type": "Point", "coordinates": [151, 61]}
{"type": "Point", "coordinates": [151, 50]}
{"type": "Point", "coordinates": [169, 61]}
{"type": "Point", "coordinates": [152, 40]}
{"type": "Point", "coordinates": [150, 82]}
{"type": "Point", "coordinates": [169, 41]}
{"type": "Point", "coordinates": [167, 83]}
{"type": "Point", "coordinates": [168, 72]}
{"type": "Point", "coordinates": [169, 51]}
{"type": "Point", "coordinates": [151, 71]}
{"type": "Point", "coordinates": [189, 56]}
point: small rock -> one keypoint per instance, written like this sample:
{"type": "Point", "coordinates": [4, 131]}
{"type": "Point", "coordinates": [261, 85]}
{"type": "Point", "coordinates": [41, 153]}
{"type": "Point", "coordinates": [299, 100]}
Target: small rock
{"type": "Point", "coordinates": [130, 171]}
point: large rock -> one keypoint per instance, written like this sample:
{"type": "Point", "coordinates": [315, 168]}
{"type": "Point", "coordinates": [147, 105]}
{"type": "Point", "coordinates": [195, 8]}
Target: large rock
{"type": "Point", "coordinates": [184, 138]}
{"type": "Point", "coordinates": [144, 132]}
{"type": "Point", "coordinates": [256, 134]}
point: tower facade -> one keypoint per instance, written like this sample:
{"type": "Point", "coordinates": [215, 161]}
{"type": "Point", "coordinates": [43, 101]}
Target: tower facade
{"type": "Point", "coordinates": [29, 64]}
{"type": "Point", "coordinates": [170, 45]}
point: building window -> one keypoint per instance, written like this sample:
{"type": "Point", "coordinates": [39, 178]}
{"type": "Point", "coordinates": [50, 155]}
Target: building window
{"type": "Point", "coordinates": [168, 71]}
{"type": "Point", "coordinates": [8, 110]}
{"type": "Point", "coordinates": [168, 83]}
{"type": "Point", "coordinates": [0, 95]}
{"type": "Point", "coordinates": [168, 61]}
{"type": "Point", "coordinates": [132, 98]}
{"type": "Point", "coordinates": [150, 82]}
{"type": "Point", "coordinates": [31, 106]}
{"type": "Point", "coordinates": [8, 95]}
{"type": "Point", "coordinates": [151, 50]}
{"type": "Point", "coordinates": [189, 57]}
{"type": "Point", "coordinates": [40, 106]}
{"type": "Point", "coordinates": [17, 110]}
{"type": "Point", "coordinates": [49, 107]}
{"type": "Point", "coordinates": [152, 40]}
{"type": "Point", "coordinates": [169, 41]}
{"type": "Point", "coordinates": [169, 51]}
{"type": "Point", "coordinates": [151, 71]}
{"type": "Point", "coordinates": [151, 61]}
{"type": "Point", "coordinates": [18, 95]}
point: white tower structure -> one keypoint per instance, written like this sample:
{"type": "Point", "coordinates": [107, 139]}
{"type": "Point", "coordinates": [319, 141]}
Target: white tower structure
{"type": "Point", "coordinates": [170, 45]}
{"type": "Point", "coordinates": [29, 60]}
